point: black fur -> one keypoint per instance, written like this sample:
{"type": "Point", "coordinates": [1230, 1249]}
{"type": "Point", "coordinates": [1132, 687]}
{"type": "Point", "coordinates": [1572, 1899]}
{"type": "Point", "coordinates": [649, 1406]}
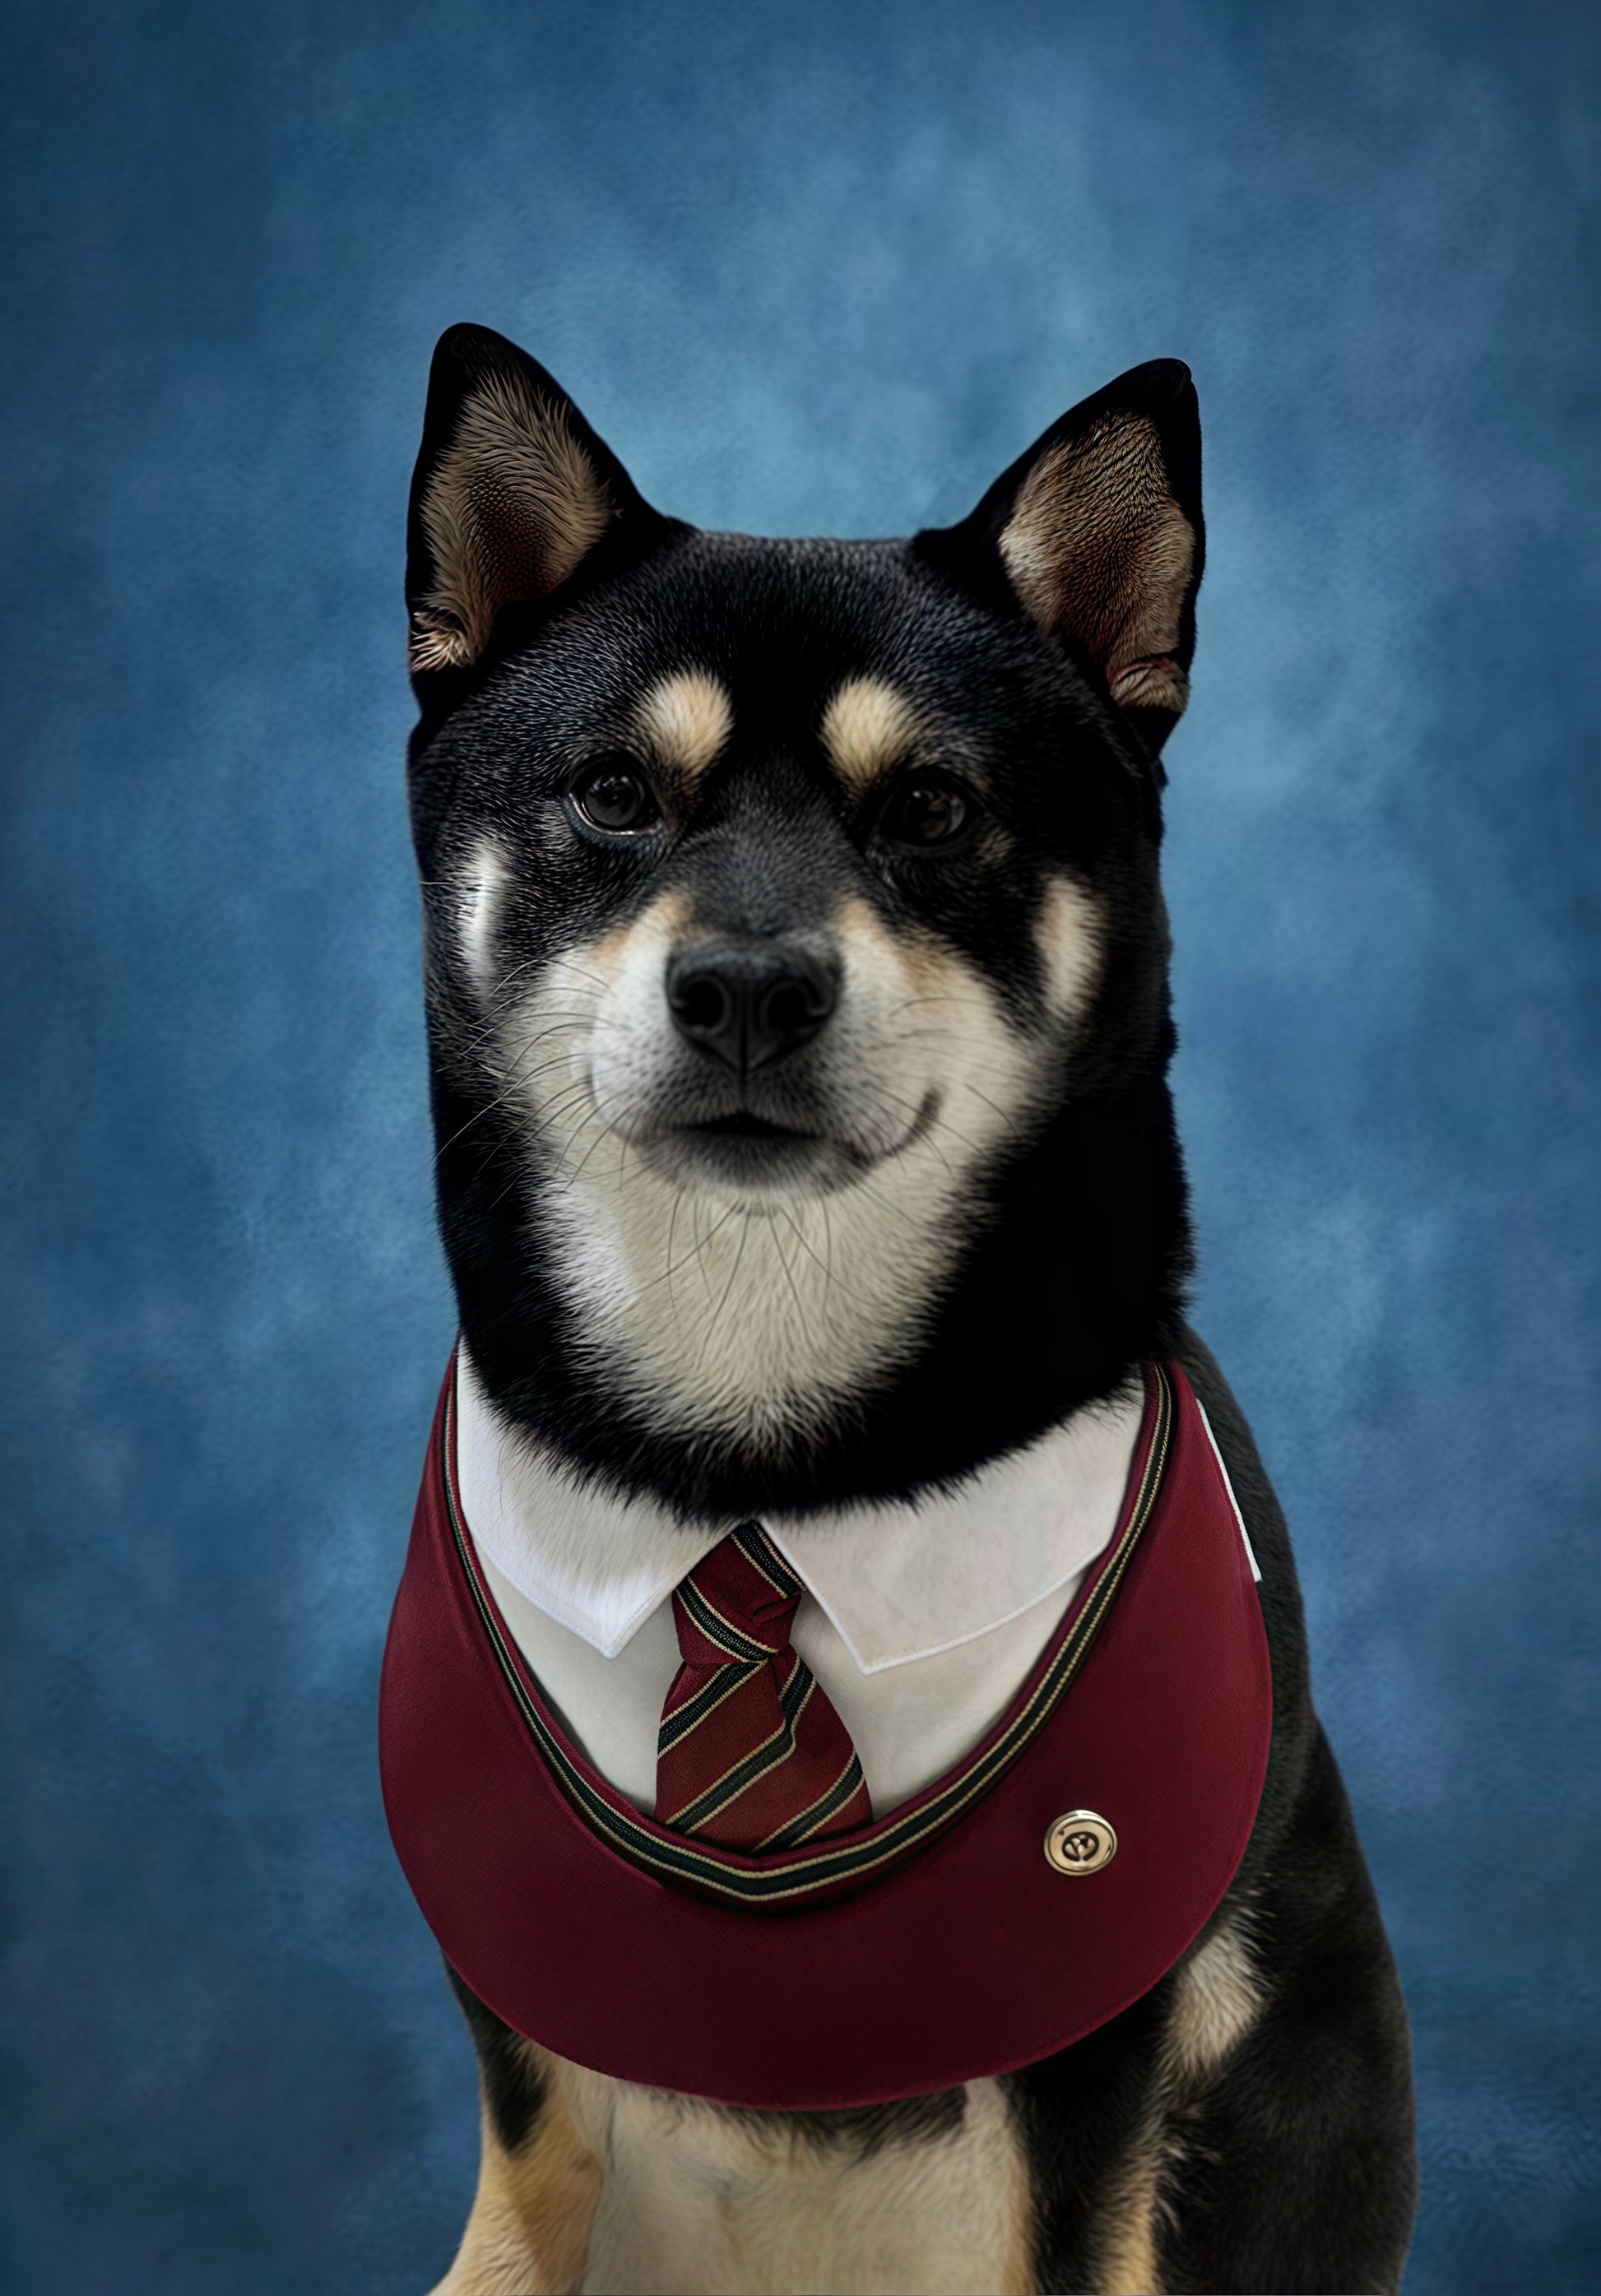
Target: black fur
{"type": "Point", "coordinates": [865, 2129]}
{"type": "Point", "coordinates": [1294, 2170]}
{"type": "Point", "coordinates": [512, 2088]}
{"type": "Point", "coordinates": [1298, 2170]}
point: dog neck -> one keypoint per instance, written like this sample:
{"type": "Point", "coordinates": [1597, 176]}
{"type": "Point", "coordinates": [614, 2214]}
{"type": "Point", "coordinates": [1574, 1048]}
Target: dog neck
{"type": "Point", "coordinates": [1070, 1273]}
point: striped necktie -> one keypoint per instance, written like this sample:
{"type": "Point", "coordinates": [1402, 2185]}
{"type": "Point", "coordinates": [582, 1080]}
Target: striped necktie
{"type": "Point", "coordinates": [751, 1754]}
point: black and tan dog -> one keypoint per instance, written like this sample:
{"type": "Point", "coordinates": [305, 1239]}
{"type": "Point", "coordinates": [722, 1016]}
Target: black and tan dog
{"type": "Point", "coordinates": [794, 907]}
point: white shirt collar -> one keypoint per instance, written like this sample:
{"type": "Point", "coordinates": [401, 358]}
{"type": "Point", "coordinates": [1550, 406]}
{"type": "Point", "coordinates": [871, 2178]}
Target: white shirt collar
{"type": "Point", "coordinates": [899, 1582]}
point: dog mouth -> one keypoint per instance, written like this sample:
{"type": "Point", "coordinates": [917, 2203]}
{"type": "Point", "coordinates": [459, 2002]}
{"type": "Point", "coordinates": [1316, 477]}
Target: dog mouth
{"type": "Point", "coordinates": [746, 1126]}
{"type": "Point", "coordinates": [745, 1149]}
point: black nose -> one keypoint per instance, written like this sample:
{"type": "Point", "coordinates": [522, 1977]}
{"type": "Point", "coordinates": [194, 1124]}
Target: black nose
{"type": "Point", "coordinates": [748, 1004]}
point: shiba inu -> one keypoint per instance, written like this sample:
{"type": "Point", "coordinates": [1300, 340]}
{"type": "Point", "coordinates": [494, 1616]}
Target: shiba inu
{"type": "Point", "coordinates": [796, 970]}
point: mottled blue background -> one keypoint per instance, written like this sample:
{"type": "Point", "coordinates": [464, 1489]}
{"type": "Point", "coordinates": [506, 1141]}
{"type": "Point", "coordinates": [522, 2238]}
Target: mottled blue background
{"type": "Point", "coordinates": [807, 268]}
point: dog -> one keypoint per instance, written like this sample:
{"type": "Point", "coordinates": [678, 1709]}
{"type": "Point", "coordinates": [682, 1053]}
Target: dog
{"type": "Point", "coordinates": [797, 983]}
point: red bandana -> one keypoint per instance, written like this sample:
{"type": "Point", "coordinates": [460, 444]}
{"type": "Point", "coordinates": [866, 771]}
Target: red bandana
{"type": "Point", "coordinates": [1024, 1899]}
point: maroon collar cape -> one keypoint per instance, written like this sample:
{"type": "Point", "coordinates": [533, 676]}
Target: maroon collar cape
{"type": "Point", "coordinates": [1031, 1894]}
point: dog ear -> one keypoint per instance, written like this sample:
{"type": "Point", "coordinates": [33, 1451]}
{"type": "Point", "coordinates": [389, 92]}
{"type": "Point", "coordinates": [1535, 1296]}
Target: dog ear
{"type": "Point", "coordinates": [512, 491]}
{"type": "Point", "coordinates": [1098, 531]}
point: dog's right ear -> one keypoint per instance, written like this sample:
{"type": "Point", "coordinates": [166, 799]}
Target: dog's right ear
{"type": "Point", "coordinates": [511, 492]}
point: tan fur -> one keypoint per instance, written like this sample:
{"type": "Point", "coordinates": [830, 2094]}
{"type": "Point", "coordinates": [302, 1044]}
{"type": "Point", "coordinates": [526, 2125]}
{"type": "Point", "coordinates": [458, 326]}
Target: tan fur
{"type": "Point", "coordinates": [1098, 550]}
{"type": "Point", "coordinates": [513, 506]}
{"type": "Point", "coordinates": [867, 728]}
{"type": "Point", "coordinates": [1156, 685]}
{"type": "Point", "coordinates": [528, 2232]}
{"type": "Point", "coordinates": [638, 2189]}
{"type": "Point", "coordinates": [685, 721]}
{"type": "Point", "coordinates": [1127, 2263]}
{"type": "Point", "coordinates": [1071, 937]}
{"type": "Point", "coordinates": [1216, 1997]}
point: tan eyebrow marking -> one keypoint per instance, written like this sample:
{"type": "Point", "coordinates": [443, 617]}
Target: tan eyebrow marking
{"type": "Point", "coordinates": [1072, 937]}
{"type": "Point", "coordinates": [867, 728]}
{"type": "Point", "coordinates": [687, 720]}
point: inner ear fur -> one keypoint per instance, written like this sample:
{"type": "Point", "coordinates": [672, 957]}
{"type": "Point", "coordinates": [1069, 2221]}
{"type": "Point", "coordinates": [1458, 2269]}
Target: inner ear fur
{"type": "Point", "coordinates": [512, 491]}
{"type": "Point", "coordinates": [1098, 532]}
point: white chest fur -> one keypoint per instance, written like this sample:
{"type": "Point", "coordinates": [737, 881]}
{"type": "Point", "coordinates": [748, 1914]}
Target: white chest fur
{"type": "Point", "coordinates": [724, 2204]}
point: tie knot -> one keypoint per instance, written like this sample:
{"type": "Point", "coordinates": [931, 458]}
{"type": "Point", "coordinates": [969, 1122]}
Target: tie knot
{"type": "Point", "coordinates": [738, 1604]}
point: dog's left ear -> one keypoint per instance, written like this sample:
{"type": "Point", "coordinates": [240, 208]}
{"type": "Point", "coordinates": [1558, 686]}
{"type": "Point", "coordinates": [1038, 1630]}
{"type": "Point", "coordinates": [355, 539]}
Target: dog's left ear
{"type": "Point", "coordinates": [513, 492]}
{"type": "Point", "coordinates": [1097, 533]}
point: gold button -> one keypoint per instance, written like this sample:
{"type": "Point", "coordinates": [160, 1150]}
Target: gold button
{"type": "Point", "coordinates": [1081, 1843]}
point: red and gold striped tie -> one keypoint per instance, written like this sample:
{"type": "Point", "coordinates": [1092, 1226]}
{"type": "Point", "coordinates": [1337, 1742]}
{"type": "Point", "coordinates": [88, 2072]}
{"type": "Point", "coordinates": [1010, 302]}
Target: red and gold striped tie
{"type": "Point", "coordinates": [751, 1754]}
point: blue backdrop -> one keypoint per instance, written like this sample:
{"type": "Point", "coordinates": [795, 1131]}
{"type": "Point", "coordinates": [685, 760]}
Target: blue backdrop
{"type": "Point", "coordinates": [807, 268]}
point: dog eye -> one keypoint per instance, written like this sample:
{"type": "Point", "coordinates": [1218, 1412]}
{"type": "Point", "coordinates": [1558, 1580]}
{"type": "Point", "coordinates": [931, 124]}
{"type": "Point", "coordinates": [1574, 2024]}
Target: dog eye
{"type": "Point", "coordinates": [615, 795]}
{"type": "Point", "coordinates": [930, 809]}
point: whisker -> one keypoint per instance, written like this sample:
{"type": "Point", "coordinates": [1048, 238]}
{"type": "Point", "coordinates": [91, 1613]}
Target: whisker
{"type": "Point", "coordinates": [574, 1176]}
{"type": "Point", "coordinates": [886, 1203]}
{"type": "Point", "coordinates": [705, 1267]}
{"type": "Point", "coordinates": [899, 1099]}
{"type": "Point", "coordinates": [672, 1224]}
{"type": "Point", "coordinates": [733, 1280]}
{"type": "Point", "coordinates": [571, 965]}
{"type": "Point", "coordinates": [489, 1031]}
{"type": "Point", "coordinates": [476, 1118]}
{"type": "Point", "coordinates": [825, 1265]}
{"type": "Point", "coordinates": [591, 1115]}
{"type": "Point", "coordinates": [789, 1279]}
{"type": "Point", "coordinates": [694, 1253]}
{"type": "Point", "coordinates": [1008, 1120]}
{"type": "Point", "coordinates": [908, 1002]}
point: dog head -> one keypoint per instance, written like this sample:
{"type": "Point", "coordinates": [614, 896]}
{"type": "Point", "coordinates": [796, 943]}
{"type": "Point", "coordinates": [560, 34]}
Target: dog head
{"type": "Point", "coordinates": [791, 910]}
